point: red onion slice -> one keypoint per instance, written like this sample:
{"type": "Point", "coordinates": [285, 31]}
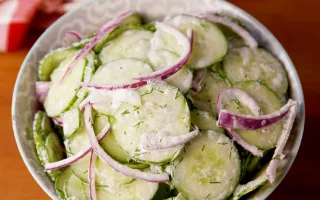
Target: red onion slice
{"type": "Point", "coordinates": [196, 83]}
{"type": "Point", "coordinates": [161, 141]}
{"type": "Point", "coordinates": [230, 94]}
{"type": "Point", "coordinates": [116, 19]}
{"type": "Point", "coordinates": [71, 36]}
{"type": "Point", "coordinates": [92, 177]}
{"type": "Point", "coordinates": [114, 87]}
{"type": "Point", "coordinates": [57, 121]}
{"type": "Point", "coordinates": [146, 176]}
{"type": "Point", "coordinates": [251, 148]}
{"type": "Point", "coordinates": [249, 40]}
{"type": "Point", "coordinates": [84, 103]}
{"type": "Point", "coordinates": [228, 119]}
{"type": "Point", "coordinates": [74, 158]}
{"type": "Point", "coordinates": [42, 89]}
{"type": "Point", "coordinates": [172, 69]}
{"type": "Point", "coordinates": [278, 155]}
{"type": "Point", "coordinates": [102, 32]}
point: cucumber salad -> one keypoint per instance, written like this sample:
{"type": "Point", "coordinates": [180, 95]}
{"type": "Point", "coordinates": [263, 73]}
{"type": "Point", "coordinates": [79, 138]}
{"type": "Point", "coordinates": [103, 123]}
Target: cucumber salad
{"type": "Point", "coordinates": [184, 108]}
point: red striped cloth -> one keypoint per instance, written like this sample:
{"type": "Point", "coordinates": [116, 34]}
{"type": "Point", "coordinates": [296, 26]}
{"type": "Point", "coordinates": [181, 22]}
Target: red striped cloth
{"type": "Point", "coordinates": [16, 17]}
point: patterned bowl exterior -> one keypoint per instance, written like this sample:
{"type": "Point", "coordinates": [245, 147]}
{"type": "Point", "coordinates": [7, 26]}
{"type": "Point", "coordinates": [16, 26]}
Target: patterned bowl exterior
{"type": "Point", "coordinates": [91, 16]}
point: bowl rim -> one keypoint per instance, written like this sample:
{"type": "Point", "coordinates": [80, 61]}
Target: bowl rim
{"type": "Point", "coordinates": [300, 128]}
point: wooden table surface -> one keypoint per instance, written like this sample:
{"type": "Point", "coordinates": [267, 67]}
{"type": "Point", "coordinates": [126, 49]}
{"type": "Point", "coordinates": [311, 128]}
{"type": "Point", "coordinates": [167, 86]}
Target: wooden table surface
{"type": "Point", "coordinates": [295, 23]}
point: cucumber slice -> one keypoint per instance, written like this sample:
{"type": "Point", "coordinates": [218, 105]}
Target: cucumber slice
{"type": "Point", "coordinates": [245, 64]}
{"type": "Point", "coordinates": [204, 121]}
{"type": "Point", "coordinates": [90, 68]}
{"type": "Point", "coordinates": [81, 95]}
{"type": "Point", "coordinates": [163, 58]}
{"type": "Point", "coordinates": [54, 152]}
{"type": "Point", "coordinates": [260, 180]}
{"type": "Point", "coordinates": [39, 135]}
{"type": "Point", "coordinates": [107, 102]}
{"type": "Point", "coordinates": [133, 22]}
{"type": "Point", "coordinates": [265, 138]}
{"type": "Point", "coordinates": [61, 182]}
{"type": "Point", "coordinates": [51, 61]}
{"type": "Point", "coordinates": [234, 40]}
{"type": "Point", "coordinates": [73, 188]}
{"type": "Point", "coordinates": [166, 50]}
{"type": "Point", "coordinates": [109, 143]}
{"type": "Point", "coordinates": [163, 109]}
{"type": "Point", "coordinates": [77, 141]}
{"type": "Point", "coordinates": [137, 190]}
{"type": "Point", "coordinates": [130, 44]}
{"type": "Point", "coordinates": [62, 96]}
{"type": "Point", "coordinates": [48, 146]}
{"type": "Point", "coordinates": [120, 71]}
{"type": "Point", "coordinates": [71, 122]}
{"type": "Point", "coordinates": [54, 148]}
{"type": "Point", "coordinates": [46, 125]}
{"type": "Point", "coordinates": [105, 175]}
{"type": "Point", "coordinates": [117, 72]}
{"type": "Point", "coordinates": [210, 45]}
{"type": "Point", "coordinates": [206, 98]}
{"type": "Point", "coordinates": [209, 168]}
{"type": "Point", "coordinates": [85, 189]}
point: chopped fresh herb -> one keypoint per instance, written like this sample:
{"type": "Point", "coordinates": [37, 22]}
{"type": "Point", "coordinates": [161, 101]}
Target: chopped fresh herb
{"type": "Point", "coordinates": [260, 111]}
{"type": "Point", "coordinates": [125, 112]}
{"type": "Point", "coordinates": [178, 94]}
{"type": "Point", "coordinates": [214, 182]}
{"type": "Point", "coordinates": [85, 172]}
{"type": "Point", "coordinates": [277, 157]}
{"type": "Point", "coordinates": [159, 90]}
{"type": "Point", "coordinates": [207, 196]}
{"type": "Point", "coordinates": [203, 147]}
{"type": "Point", "coordinates": [137, 124]}
{"type": "Point", "coordinates": [205, 26]}
{"type": "Point", "coordinates": [205, 84]}
{"type": "Point", "coordinates": [125, 132]}
{"type": "Point", "coordinates": [138, 154]}
{"type": "Point", "coordinates": [149, 91]}
{"type": "Point", "coordinates": [223, 143]}
{"type": "Point", "coordinates": [135, 108]}
{"type": "Point", "coordinates": [238, 103]}
{"type": "Point", "coordinates": [164, 106]}
{"type": "Point", "coordinates": [184, 149]}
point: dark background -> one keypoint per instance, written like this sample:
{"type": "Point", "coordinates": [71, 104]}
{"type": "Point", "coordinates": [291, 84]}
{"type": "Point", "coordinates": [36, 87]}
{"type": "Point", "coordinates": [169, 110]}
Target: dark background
{"type": "Point", "coordinates": [296, 24]}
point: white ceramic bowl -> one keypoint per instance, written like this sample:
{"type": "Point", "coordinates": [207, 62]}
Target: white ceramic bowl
{"type": "Point", "coordinates": [91, 16]}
